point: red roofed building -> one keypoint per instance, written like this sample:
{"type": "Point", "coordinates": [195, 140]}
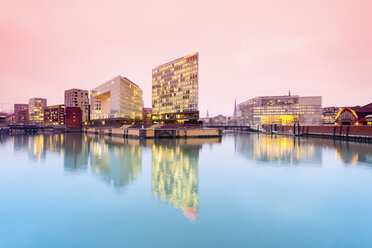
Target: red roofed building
{"type": "Point", "coordinates": [355, 115]}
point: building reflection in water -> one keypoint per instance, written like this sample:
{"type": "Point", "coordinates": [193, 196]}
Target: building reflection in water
{"type": "Point", "coordinates": [175, 173]}
{"type": "Point", "coordinates": [20, 142]}
{"type": "Point", "coordinates": [76, 152]}
{"type": "Point", "coordinates": [116, 160]}
{"type": "Point", "coordinates": [352, 153]}
{"type": "Point", "coordinates": [38, 145]}
{"type": "Point", "coordinates": [280, 149]}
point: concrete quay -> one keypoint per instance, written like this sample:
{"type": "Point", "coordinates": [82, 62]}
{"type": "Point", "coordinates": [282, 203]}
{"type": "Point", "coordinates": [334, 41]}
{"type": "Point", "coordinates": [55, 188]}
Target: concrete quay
{"type": "Point", "coordinates": [153, 133]}
{"type": "Point", "coordinates": [348, 133]}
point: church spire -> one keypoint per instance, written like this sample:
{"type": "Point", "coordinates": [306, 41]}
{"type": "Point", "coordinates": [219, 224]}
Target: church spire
{"type": "Point", "coordinates": [235, 110]}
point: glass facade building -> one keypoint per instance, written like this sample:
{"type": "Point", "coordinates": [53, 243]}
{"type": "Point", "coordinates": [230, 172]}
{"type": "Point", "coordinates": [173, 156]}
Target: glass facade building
{"type": "Point", "coordinates": [36, 110]}
{"type": "Point", "coordinates": [281, 110]}
{"type": "Point", "coordinates": [115, 99]}
{"type": "Point", "coordinates": [175, 90]}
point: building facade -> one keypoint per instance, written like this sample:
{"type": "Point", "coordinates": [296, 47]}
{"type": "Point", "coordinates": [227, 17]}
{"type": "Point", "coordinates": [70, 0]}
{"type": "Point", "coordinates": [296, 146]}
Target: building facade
{"type": "Point", "coordinates": [73, 117]}
{"type": "Point", "coordinates": [358, 115]}
{"type": "Point", "coordinates": [329, 115]}
{"type": "Point", "coordinates": [22, 117]}
{"type": "Point", "coordinates": [78, 98]}
{"type": "Point", "coordinates": [119, 99]}
{"type": "Point", "coordinates": [146, 115]}
{"type": "Point", "coordinates": [36, 110]}
{"type": "Point", "coordinates": [19, 113]}
{"type": "Point", "coordinates": [4, 119]}
{"type": "Point", "coordinates": [54, 115]}
{"type": "Point", "coordinates": [175, 91]}
{"type": "Point", "coordinates": [281, 110]}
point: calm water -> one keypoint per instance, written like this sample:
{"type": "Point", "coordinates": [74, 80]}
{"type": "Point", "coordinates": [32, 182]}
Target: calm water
{"type": "Point", "coordinates": [242, 191]}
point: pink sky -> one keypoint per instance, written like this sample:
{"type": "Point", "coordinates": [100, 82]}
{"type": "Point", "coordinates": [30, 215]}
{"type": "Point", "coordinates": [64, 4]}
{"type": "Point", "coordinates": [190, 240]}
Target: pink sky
{"type": "Point", "coordinates": [246, 48]}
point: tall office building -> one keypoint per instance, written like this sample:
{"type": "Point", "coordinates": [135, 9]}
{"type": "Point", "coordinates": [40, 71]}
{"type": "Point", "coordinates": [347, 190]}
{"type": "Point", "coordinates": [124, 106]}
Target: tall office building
{"type": "Point", "coordinates": [116, 100]}
{"type": "Point", "coordinates": [281, 110]}
{"type": "Point", "coordinates": [36, 110]}
{"type": "Point", "coordinates": [78, 98]}
{"type": "Point", "coordinates": [175, 90]}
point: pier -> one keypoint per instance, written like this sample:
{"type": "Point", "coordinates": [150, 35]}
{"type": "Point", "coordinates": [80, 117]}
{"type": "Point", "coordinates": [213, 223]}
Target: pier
{"type": "Point", "coordinates": [156, 133]}
{"type": "Point", "coordinates": [34, 129]}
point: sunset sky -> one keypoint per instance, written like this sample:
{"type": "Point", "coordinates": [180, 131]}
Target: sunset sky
{"type": "Point", "coordinates": [246, 48]}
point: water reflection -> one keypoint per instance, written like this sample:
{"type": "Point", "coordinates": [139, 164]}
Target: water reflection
{"type": "Point", "coordinates": [116, 161]}
{"type": "Point", "coordinates": [279, 149]}
{"type": "Point", "coordinates": [175, 173]}
{"type": "Point", "coordinates": [38, 145]}
{"type": "Point", "coordinates": [20, 142]}
{"type": "Point", "coordinates": [300, 151]}
{"type": "Point", "coordinates": [353, 153]}
{"type": "Point", "coordinates": [76, 152]}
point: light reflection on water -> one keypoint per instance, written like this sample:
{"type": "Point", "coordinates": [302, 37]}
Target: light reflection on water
{"type": "Point", "coordinates": [209, 182]}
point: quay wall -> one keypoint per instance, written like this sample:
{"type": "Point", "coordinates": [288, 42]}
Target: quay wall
{"type": "Point", "coordinates": [151, 133]}
{"type": "Point", "coordinates": [355, 133]}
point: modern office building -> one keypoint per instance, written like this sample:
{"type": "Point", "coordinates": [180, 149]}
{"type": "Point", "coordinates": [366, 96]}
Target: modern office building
{"type": "Point", "coordinates": [78, 98]}
{"type": "Point", "coordinates": [175, 90]}
{"type": "Point", "coordinates": [329, 115]}
{"type": "Point", "coordinates": [36, 110]}
{"type": "Point", "coordinates": [20, 108]}
{"type": "Point", "coordinates": [281, 110]}
{"type": "Point", "coordinates": [116, 101]}
{"type": "Point", "coordinates": [54, 115]}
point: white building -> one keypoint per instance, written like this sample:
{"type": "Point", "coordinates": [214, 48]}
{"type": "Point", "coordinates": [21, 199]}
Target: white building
{"type": "Point", "coordinates": [118, 98]}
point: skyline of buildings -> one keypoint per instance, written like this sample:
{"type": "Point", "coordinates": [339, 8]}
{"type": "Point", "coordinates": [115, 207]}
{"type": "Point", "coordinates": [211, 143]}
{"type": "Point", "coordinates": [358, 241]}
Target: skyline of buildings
{"type": "Point", "coordinates": [175, 96]}
{"type": "Point", "coordinates": [175, 87]}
